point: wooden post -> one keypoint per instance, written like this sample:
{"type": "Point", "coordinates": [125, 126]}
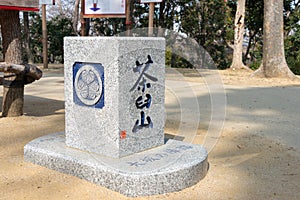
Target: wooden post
{"type": "Point", "coordinates": [82, 20]}
{"type": "Point", "coordinates": [128, 18]}
{"type": "Point", "coordinates": [151, 16]}
{"type": "Point", "coordinates": [45, 41]}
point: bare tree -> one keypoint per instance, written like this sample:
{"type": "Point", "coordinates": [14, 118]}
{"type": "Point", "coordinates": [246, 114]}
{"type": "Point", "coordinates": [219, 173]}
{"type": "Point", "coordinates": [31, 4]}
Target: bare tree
{"type": "Point", "coordinates": [26, 40]}
{"type": "Point", "coordinates": [239, 24]}
{"type": "Point", "coordinates": [76, 16]}
{"type": "Point", "coordinates": [274, 63]}
{"type": "Point", "coordinates": [63, 8]}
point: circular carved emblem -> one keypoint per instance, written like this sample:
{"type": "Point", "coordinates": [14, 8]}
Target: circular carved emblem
{"type": "Point", "coordinates": [88, 85]}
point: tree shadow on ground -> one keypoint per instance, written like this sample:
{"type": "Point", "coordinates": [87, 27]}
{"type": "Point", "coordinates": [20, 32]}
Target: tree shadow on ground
{"type": "Point", "coordinates": [257, 154]}
{"type": "Point", "coordinates": [259, 142]}
{"type": "Point", "coordinates": [38, 106]}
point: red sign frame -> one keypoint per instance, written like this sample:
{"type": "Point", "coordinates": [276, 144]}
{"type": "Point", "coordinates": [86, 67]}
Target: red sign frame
{"type": "Point", "coordinates": [19, 8]}
{"type": "Point", "coordinates": [21, 5]}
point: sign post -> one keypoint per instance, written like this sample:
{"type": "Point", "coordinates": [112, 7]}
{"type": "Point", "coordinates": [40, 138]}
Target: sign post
{"type": "Point", "coordinates": [45, 36]}
{"type": "Point", "coordinates": [128, 18]}
{"type": "Point", "coordinates": [151, 14]}
{"type": "Point", "coordinates": [44, 30]}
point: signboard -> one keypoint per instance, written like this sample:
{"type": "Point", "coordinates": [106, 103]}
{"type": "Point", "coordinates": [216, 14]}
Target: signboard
{"type": "Point", "coordinates": [47, 2]}
{"type": "Point", "coordinates": [151, 1]}
{"type": "Point", "coordinates": [104, 8]}
{"type": "Point", "coordinates": [24, 5]}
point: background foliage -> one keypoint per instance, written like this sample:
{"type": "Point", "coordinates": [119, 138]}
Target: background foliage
{"type": "Point", "coordinates": [209, 22]}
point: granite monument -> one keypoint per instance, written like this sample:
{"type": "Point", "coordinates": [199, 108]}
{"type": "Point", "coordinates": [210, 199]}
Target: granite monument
{"type": "Point", "coordinates": [114, 133]}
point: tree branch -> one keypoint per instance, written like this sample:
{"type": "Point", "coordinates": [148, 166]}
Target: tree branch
{"type": "Point", "coordinates": [26, 69]}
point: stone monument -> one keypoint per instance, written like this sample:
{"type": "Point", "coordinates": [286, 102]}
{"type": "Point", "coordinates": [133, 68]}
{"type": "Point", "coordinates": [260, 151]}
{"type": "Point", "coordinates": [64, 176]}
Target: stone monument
{"type": "Point", "coordinates": [114, 134]}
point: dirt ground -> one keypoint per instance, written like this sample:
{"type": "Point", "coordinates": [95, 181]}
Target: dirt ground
{"type": "Point", "coordinates": [256, 156]}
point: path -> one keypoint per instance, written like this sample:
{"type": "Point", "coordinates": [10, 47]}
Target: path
{"type": "Point", "coordinates": [256, 155]}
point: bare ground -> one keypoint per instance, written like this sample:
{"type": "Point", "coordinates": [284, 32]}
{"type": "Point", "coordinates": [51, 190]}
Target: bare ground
{"type": "Point", "coordinates": [256, 157]}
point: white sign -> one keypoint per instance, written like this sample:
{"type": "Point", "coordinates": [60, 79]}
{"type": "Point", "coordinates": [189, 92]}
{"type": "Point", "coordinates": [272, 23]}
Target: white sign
{"type": "Point", "coordinates": [104, 7]}
{"type": "Point", "coordinates": [151, 1]}
{"type": "Point", "coordinates": [47, 2]}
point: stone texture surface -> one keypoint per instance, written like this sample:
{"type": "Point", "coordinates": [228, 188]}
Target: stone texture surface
{"type": "Point", "coordinates": [109, 130]}
{"type": "Point", "coordinates": [168, 168]}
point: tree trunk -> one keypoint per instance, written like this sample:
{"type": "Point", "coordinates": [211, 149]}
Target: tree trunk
{"type": "Point", "coordinates": [239, 24]}
{"type": "Point", "coordinates": [27, 38]}
{"type": "Point", "coordinates": [13, 95]}
{"type": "Point", "coordinates": [251, 37]}
{"type": "Point", "coordinates": [85, 22]}
{"type": "Point", "coordinates": [76, 16]}
{"type": "Point", "coordinates": [162, 6]}
{"type": "Point", "coordinates": [274, 63]}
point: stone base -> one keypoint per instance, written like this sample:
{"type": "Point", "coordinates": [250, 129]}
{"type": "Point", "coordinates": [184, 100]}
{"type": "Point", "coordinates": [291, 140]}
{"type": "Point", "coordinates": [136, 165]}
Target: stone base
{"type": "Point", "coordinates": [168, 168]}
